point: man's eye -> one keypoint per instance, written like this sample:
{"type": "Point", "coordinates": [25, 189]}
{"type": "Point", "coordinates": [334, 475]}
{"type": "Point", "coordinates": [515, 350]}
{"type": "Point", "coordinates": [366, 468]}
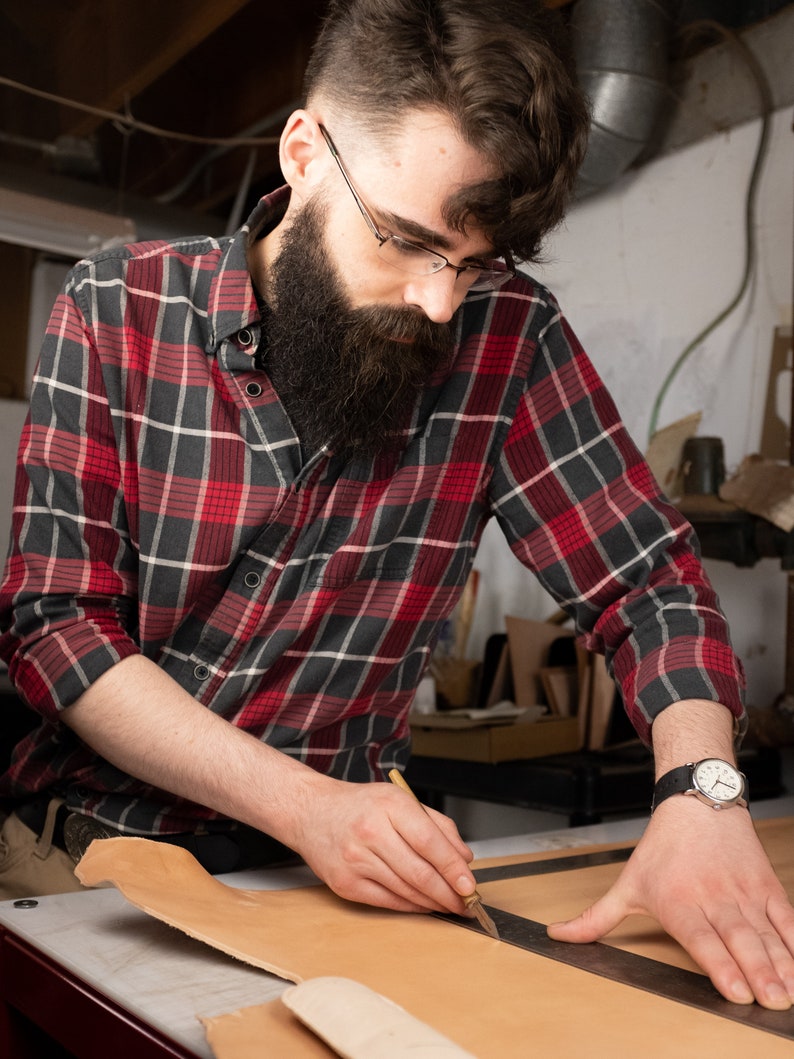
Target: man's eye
{"type": "Point", "coordinates": [402, 246]}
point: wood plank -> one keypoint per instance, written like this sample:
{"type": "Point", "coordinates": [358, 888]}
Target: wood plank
{"type": "Point", "coordinates": [140, 42]}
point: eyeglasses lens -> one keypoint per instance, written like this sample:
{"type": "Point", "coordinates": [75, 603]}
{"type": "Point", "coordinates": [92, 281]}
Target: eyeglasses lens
{"type": "Point", "coordinates": [422, 262]}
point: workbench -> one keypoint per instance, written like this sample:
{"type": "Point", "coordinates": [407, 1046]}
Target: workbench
{"type": "Point", "coordinates": [102, 978]}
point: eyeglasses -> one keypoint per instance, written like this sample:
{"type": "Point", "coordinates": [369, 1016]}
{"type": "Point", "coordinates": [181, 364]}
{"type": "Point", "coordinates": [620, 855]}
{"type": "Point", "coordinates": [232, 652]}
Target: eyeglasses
{"type": "Point", "coordinates": [411, 257]}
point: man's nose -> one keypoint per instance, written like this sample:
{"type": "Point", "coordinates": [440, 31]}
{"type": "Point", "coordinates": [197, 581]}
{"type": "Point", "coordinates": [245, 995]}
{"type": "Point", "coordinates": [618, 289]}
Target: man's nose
{"type": "Point", "coordinates": [438, 295]}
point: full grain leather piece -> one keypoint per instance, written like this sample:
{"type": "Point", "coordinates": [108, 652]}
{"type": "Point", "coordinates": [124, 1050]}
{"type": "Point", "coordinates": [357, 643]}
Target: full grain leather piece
{"type": "Point", "coordinates": [495, 1000]}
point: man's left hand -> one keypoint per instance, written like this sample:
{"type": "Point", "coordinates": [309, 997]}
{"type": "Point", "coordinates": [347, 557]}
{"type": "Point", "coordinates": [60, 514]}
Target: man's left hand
{"type": "Point", "coordinates": [704, 876]}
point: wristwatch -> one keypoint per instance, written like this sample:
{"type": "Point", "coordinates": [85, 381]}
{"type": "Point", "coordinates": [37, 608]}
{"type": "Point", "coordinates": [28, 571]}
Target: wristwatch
{"type": "Point", "coordinates": [712, 780]}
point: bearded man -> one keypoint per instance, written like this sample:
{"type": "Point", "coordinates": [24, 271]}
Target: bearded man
{"type": "Point", "coordinates": [256, 472]}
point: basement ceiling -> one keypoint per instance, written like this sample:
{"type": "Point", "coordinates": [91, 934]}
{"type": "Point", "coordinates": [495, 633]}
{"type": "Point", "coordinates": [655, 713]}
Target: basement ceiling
{"type": "Point", "coordinates": [210, 69]}
{"type": "Point", "coordinates": [204, 68]}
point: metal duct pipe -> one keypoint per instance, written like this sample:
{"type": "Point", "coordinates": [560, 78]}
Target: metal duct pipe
{"type": "Point", "coordinates": [621, 52]}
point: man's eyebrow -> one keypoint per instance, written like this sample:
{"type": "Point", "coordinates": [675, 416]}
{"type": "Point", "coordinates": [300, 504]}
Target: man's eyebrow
{"type": "Point", "coordinates": [418, 232]}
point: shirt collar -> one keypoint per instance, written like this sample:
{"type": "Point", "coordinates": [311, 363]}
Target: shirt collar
{"type": "Point", "coordinates": [232, 304]}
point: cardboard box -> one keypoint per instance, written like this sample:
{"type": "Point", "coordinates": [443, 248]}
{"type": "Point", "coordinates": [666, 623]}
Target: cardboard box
{"type": "Point", "coordinates": [472, 741]}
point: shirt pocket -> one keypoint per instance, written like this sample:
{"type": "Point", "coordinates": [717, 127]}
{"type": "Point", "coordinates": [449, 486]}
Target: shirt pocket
{"type": "Point", "coordinates": [420, 526]}
{"type": "Point", "coordinates": [398, 560]}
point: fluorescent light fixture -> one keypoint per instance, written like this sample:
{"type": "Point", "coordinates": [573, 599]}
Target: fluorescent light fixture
{"type": "Point", "coordinates": [59, 227]}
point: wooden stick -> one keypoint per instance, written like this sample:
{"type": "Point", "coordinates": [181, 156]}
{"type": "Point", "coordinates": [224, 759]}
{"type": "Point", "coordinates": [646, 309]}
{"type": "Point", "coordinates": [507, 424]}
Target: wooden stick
{"type": "Point", "coordinates": [465, 615]}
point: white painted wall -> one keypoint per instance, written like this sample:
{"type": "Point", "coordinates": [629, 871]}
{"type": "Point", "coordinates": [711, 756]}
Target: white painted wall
{"type": "Point", "coordinates": [639, 270]}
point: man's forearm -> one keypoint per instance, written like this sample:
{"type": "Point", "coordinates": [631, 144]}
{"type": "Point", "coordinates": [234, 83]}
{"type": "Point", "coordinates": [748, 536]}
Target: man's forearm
{"type": "Point", "coordinates": [144, 723]}
{"type": "Point", "coordinates": [691, 730]}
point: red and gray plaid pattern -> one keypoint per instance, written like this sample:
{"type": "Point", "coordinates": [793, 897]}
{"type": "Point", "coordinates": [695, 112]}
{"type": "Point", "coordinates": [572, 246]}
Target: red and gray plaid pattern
{"type": "Point", "coordinates": [162, 507]}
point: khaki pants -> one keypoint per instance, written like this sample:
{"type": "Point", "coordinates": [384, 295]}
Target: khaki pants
{"type": "Point", "coordinates": [30, 866]}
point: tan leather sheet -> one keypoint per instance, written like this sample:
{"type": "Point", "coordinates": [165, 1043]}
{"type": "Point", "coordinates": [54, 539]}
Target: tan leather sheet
{"type": "Point", "coordinates": [493, 999]}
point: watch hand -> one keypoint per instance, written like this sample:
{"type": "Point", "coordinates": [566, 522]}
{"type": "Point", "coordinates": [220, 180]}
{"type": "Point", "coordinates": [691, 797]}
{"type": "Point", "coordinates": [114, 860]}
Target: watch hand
{"type": "Point", "coordinates": [722, 783]}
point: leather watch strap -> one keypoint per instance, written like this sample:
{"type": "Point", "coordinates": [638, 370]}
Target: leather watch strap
{"type": "Point", "coordinates": [676, 781]}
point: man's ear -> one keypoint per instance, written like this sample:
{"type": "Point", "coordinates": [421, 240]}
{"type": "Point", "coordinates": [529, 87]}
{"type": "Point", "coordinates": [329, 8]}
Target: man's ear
{"type": "Point", "coordinates": [303, 153]}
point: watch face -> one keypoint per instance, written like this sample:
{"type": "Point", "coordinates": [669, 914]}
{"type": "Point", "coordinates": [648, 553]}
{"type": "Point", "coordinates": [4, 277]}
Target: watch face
{"type": "Point", "coordinates": [718, 780]}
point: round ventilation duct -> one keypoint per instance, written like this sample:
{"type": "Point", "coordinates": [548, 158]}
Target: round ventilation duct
{"type": "Point", "coordinates": [621, 52]}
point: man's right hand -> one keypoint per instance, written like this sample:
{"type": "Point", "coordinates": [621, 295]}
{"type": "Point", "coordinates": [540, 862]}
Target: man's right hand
{"type": "Point", "coordinates": [376, 844]}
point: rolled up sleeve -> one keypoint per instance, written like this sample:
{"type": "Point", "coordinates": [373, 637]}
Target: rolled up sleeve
{"type": "Point", "coordinates": [66, 610]}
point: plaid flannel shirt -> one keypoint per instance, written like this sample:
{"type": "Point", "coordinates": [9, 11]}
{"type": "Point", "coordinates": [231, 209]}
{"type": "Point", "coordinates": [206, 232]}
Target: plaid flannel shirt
{"type": "Point", "coordinates": [162, 506]}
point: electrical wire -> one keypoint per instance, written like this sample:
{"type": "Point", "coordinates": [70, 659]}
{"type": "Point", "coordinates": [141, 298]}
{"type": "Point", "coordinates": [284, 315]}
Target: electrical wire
{"type": "Point", "coordinates": [749, 213]}
{"type": "Point", "coordinates": [277, 117]}
{"type": "Point", "coordinates": [127, 122]}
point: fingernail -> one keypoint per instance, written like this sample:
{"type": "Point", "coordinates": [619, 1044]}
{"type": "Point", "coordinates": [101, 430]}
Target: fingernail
{"type": "Point", "coordinates": [778, 996]}
{"type": "Point", "coordinates": [464, 886]}
{"type": "Point", "coordinates": [740, 993]}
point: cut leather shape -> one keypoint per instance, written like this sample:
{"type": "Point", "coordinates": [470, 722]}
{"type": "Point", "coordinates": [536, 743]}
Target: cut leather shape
{"type": "Point", "coordinates": [497, 1001]}
{"type": "Point", "coordinates": [359, 1023]}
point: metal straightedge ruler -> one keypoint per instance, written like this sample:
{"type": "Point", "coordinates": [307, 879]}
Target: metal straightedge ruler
{"type": "Point", "coordinates": [628, 968]}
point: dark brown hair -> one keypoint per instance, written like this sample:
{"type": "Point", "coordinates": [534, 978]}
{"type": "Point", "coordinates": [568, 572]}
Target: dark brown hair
{"type": "Point", "coordinates": [501, 70]}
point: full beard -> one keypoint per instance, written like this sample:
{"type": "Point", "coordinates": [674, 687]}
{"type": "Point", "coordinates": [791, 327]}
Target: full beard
{"type": "Point", "coordinates": [349, 378]}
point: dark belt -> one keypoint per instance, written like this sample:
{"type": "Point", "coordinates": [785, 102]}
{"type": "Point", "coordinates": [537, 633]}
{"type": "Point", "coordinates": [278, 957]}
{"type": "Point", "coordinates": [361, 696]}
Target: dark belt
{"type": "Point", "coordinates": [218, 847]}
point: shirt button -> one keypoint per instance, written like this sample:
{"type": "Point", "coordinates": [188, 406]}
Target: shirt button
{"type": "Point", "coordinates": [253, 389]}
{"type": "Point", "coordinates": [245, 337]}
{"type": "Point", "coordinates": [252, 579]}
{"type": "Point", "coordinates": [201, 672]}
